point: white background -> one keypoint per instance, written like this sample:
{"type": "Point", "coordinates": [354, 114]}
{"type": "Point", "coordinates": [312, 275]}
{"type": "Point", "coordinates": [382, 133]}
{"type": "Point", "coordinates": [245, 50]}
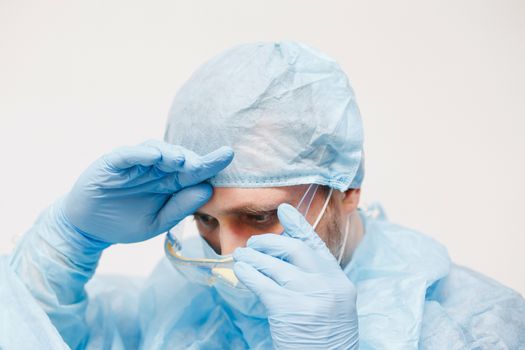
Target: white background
{"type": "Point", "coordinates": [441, 86]}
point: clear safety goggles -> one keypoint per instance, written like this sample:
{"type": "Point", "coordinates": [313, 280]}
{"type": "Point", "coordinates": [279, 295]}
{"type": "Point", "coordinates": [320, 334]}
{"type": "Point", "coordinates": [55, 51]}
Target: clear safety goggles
{"type": "Point", "coordinates": [214, 268]}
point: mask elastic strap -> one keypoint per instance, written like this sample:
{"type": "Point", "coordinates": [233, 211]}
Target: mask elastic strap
{"type": "Point", "coordinates": [307, 198]}
{"type": "Point", "coordinates": [304, 195]}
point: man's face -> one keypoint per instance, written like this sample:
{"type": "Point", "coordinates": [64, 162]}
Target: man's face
{"type": "Point", "coordinates": [235, 214]}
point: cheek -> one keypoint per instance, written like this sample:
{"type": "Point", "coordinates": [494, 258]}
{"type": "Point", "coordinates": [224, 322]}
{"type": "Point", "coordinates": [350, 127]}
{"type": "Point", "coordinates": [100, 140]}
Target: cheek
{"type": "Point", "coordinates": [329, 231]}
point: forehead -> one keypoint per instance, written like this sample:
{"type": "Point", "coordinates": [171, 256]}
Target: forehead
{"type": "Point", "coordinates": [229, 199]}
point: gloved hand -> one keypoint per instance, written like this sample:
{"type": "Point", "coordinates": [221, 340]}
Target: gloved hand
{"type": "Point", "coordinates": [138, 192]}
{"type": "Point", "coordinates": [310, 301]}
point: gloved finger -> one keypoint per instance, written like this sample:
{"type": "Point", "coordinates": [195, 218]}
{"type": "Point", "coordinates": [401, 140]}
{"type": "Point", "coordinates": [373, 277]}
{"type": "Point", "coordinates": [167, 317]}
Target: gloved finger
{"type": "Point", "coordinates": [173, 156]}
{"type": "Point", "coordinates": [135, 176]}
{"type": "Point", "coordinates": [278, 270]}
{"type": "Point", "coordinates": [139, 175]}
{"type": "Point", "coordinates": [173, 182]}
{"type": "Point", "coordinates": [155, 179]}
{"type": "Point", "coordinates": [168, 183]}
{"type": "Point", "coordinates": [200, 168]}
{"type": "Point", "coordinates": [182, 204]}
{"type": "Point", "coordinates": [262, 286]}
{"type": "Point", "coordinates": [292, 250]}
{"type": "Point", "coordinates": [129, 156]}
{"type": "Point", "coordinates": [196, 169]}
{"type": "Point", "coordinates": [296, 226]}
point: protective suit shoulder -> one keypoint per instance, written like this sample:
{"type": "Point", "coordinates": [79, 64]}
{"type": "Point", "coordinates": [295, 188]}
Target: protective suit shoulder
{"type": "Point", "coordinates": [455, 307]}
{"type": "Point", "coordinates": [23, 323]}
{"type": "Point", "coordinates": [489, 314]}
{"type": "Point", "coordinates": [112, 312]}
{"type": "Point", "coordinates": [392, 268]}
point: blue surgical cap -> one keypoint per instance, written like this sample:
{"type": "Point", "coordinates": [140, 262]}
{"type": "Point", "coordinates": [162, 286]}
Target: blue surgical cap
{"type": "Point", "coordinates": [287, 110]}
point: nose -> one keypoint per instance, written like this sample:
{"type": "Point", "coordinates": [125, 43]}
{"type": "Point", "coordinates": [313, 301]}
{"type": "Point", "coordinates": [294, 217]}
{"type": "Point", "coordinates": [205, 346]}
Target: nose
{"type": "Point", "coordinates": [231, 238]}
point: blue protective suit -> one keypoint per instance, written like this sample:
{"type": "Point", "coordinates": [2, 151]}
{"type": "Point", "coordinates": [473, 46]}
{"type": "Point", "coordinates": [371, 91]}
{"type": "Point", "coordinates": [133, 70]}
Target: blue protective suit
{"type": "Point", "coordinates": [409, 296]}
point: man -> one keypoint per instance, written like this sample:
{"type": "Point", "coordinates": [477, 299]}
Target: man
{"type": "Point", "coordinates": [283, 259]}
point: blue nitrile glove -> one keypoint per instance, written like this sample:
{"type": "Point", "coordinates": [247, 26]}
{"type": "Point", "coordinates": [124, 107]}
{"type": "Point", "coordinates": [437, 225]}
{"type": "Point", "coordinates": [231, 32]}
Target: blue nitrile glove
{"type": "Point", "coordinates": [311, 303]}
{"type": "Point", "coordinates": [129, 195]}
{"type": "Point", "coordinates": [138, 192]}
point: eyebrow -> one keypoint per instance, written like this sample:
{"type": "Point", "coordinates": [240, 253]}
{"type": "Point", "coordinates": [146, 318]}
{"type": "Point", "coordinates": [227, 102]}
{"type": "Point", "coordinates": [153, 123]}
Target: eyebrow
{"type": "Point", "coordinates": [248, 209]}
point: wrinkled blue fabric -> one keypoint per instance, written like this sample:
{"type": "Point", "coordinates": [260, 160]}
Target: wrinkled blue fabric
{"type": "Point", "coordinates": [287, 110]}
{"type": "Point", "coordinates": [409, 296]}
